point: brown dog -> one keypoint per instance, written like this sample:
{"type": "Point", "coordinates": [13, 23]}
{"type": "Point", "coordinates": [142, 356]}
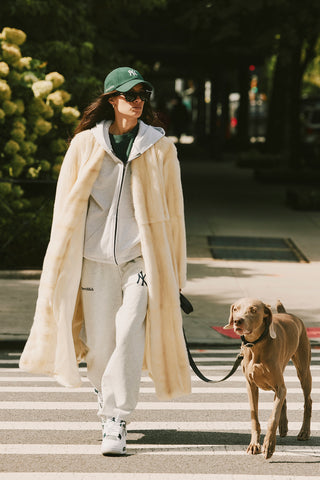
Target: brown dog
{"type": "Point", "coordinates": [268, 343]}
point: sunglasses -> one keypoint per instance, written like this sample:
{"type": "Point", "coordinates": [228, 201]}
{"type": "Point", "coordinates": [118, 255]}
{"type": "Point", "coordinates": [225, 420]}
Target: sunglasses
{"type": "Point", "coordinates": [131, 96]}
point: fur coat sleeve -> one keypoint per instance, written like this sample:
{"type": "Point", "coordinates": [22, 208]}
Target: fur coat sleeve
{"type": "Point", "coordinates": [54, 345]}
{"type": "Point", "coordinates": [158, 202]}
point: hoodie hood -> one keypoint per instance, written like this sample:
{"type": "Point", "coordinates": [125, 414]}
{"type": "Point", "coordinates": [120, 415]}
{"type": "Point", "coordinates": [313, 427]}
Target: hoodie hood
{"type": "Point", "coordinates": [146, 137]}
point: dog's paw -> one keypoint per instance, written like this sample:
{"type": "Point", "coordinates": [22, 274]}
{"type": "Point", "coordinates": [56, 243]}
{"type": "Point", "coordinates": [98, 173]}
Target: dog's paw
{"type": "Point", "coordinates": [303, 435]}
{"type": "Point", "coordinates": [254, 448]}
{"type": "Point", "coordinates": [283, 429]}
{"type": "Point", "coordinates": [268, 447]}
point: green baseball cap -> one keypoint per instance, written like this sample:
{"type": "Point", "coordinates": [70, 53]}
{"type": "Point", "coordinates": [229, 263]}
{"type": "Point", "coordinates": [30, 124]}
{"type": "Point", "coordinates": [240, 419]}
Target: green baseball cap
{"type": "Point", "coordinates": [123, 79]}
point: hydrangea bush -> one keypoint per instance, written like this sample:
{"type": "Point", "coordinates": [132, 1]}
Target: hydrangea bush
{"type": "Point", "coordinates": [35, 121]}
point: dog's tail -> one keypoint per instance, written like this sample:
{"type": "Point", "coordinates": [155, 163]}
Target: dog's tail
{"type": "Point", "coordinates": [280, 307]}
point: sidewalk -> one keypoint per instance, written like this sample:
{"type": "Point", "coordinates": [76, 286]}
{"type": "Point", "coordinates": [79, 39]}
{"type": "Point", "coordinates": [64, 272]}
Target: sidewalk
{"type": "Point", "coordinates": [220, 199]}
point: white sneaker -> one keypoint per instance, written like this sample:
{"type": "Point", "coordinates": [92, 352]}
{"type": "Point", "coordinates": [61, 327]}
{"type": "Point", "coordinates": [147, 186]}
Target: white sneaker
{"type": "Point", "coordinates": [114, 437]}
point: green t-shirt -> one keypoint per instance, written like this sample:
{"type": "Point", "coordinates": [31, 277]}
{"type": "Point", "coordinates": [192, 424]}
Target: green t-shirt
{"type": "Point", "coordinates": [122, 144]}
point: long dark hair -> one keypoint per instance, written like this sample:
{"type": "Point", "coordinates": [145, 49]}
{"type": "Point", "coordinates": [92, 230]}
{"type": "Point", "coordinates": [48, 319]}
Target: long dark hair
{"type": "Point", "coordinates": [101, 109]}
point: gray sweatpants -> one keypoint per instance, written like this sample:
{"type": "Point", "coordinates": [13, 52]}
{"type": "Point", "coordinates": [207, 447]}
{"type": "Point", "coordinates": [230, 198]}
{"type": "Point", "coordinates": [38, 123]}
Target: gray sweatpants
{"type": "Point", "coordinates": [115, 303]}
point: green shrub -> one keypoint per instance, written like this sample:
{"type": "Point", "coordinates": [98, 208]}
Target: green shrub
{"type": "Point", "coordinates": [36, 121]}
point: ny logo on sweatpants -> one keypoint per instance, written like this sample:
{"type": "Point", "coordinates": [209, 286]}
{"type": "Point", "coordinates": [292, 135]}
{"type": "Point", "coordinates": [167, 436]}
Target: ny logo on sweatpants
{"type": "Point", "coordinates": [142, 278]}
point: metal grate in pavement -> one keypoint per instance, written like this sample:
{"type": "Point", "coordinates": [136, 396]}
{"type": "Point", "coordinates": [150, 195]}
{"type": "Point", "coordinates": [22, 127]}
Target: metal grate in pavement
{"type": "Point", "coordinates": [255, 248]}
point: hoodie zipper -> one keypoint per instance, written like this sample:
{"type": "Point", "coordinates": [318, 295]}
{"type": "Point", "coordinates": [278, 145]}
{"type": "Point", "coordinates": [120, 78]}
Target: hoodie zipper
{"type": "Point", "coordinates": [124, 168]}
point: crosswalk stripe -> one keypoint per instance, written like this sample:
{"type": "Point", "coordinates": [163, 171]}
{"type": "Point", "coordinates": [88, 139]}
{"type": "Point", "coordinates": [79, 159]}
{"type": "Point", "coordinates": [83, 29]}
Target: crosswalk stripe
{"type": "Point", "coordinates": [199, 352]}
{"type": "Point", "coordinates": [178, 426]}
{"type": "Point", "coordinates": [9, 361]}
{"type": "Point", "coordinates": [238, 377]}
{"type": "Point", "coordinates": [235, 350]}
{"type": "Point", "coordinates": [294, 406]}
{"type": "Point", "coordinates": [212, 389]}
{"type": "Point", "coordinates": [197, 359]}
{"type": "Point", "coordinates": [35, 379]}
{"type": "Point", "coordinates": [46, 389]}
{"type": "Point", "coordinates": [221, 368]}
{"type": "Point", "coordinates": [148, 449]}
{"type": "Point", "coordinates": [143, 476]}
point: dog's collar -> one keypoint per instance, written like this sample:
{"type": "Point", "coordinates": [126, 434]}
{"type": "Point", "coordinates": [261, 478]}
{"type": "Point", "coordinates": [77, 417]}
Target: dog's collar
{"type": "Point", "coordinates": [250, 344]}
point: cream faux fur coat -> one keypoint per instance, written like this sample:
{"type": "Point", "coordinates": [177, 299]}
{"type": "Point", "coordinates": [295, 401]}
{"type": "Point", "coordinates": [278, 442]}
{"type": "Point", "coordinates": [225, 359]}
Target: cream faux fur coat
{"type": "Point", "coordinates": [54, 346]}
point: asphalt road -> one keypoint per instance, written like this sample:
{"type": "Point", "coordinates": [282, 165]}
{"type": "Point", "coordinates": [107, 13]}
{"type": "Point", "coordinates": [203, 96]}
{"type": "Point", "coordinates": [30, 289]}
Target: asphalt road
{"type": "Point", "coordinates": [50, 432]}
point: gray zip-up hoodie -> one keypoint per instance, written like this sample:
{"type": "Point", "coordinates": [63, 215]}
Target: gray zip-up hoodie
{"type": "Point", "coordinates": [112, 234]}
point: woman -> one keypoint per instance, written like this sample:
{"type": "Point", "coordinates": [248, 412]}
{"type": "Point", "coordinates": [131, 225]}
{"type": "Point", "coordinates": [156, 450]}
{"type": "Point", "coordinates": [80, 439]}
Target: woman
{"type": "Point", "coordinates": [116, 260]}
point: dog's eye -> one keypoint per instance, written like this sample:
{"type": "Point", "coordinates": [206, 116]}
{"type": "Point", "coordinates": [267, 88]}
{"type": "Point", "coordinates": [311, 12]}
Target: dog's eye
{"type": "Point", "coordinates": [253, 310]}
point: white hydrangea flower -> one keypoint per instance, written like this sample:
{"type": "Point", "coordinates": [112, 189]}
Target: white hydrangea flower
{"type": "Point", "coordinates": [4, 69]}
{"type": "Point", "coordinates": [56, 78]}
{"type": "Point", "coordinates": [29, 78]}
{"type": "Point", "coordinates": [58, 98]}
{"type": "Point", "coordinates": [5, 90]}
{"type": "Point", "coordinates": [69, 114]}
{"type": "Point", "coordinates": [42, 88]}
{"type": "Point", "coordinates": [24, 63]}
{"type": "Point", "coordinates": [14, 35]}
{"type": "Point", "coordinates": [11, 53]}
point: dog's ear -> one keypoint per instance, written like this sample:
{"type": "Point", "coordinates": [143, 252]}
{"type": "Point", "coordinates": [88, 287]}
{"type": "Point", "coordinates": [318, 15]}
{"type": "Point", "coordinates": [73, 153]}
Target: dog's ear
{"type": "Point", "coordinates": [230, 324]}
{"type": "Point", "coordinates": [268, 316]}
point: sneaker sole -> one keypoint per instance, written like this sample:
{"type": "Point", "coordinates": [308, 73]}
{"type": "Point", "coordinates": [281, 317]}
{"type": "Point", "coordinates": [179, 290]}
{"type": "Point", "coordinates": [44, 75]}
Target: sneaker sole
{"type": "Point", "coordinates": [114, 453]}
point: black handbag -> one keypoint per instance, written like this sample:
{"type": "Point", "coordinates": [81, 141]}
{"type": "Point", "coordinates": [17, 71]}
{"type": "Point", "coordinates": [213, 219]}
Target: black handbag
{"type": "Point", "coordinates": [185, 305]}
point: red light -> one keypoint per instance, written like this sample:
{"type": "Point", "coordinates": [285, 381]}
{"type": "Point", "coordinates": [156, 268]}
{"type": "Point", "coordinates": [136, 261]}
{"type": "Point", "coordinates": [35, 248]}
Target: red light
{"type": "Point", "coordinates": [233, 122]}
{"type": "Point", "coordinates": [252, 68]}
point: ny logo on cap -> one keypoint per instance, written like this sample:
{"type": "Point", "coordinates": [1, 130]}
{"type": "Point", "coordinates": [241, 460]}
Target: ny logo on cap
{"type": "Point", "coordinates": [132, 73]}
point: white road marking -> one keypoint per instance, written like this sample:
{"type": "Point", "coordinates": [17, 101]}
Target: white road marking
{"type": "Point", "coordinates": [178, 426]}
{"type": "Point", "coordinates": [289, 368]}
{"type": "Point", "coordinates": [197, 359]}
{"type": "Point", "coordinates": [237, 377]}
{"type": "Point", "coordinates": [9, 361]}
{"type": "Point", "coordinates": [143, 476]}
{"type": "Point", "coordinates": [212, 389]}
{"type": "Point", "coordinates": [151, 449]}
{"type": "Point", "coordinates": [206, 406]}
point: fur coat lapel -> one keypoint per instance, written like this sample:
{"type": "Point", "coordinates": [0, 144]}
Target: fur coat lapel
{"type": "Point", "coordinates": [54, 346]}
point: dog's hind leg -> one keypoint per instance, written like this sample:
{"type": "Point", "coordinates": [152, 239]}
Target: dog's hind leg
{"type": "Point", "coordinates": [301, 360]}
{"type": "Point", "coordinates": [283, 422]}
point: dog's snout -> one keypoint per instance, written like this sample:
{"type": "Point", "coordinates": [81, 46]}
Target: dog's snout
{"type": "Point", "coordinates": [238, 321]}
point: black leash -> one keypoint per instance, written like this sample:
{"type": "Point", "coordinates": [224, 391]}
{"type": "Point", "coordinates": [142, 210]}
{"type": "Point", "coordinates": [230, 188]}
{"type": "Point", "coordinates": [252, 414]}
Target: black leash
{"type": "Point", "coordinates": [187, 307]}
{"type": "Point", "coordinates": [200, 374]}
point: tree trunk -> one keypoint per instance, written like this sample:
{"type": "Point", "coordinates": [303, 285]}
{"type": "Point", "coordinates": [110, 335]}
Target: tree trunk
{"type": "Point", "coordinates": [278, 104]}
{"type": "Point", "coordinates": [201, 112]}
{"type": "Point", "coordinates": [243, 115]}
{"type": "Point", "coordinates": [283, 127]}
{"type": "Point", "coordinates": [215, 131]}
{"type": "Point", "coordinates": [293, 146]}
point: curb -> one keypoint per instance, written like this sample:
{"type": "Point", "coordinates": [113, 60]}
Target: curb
{"type": "Point", "coordinates": [20, 274]}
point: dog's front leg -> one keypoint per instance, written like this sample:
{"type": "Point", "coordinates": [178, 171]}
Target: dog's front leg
{"type": "Point", "coordinates": [253, 394]}
{"type": "Point", "coordinates": [269, 443]}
